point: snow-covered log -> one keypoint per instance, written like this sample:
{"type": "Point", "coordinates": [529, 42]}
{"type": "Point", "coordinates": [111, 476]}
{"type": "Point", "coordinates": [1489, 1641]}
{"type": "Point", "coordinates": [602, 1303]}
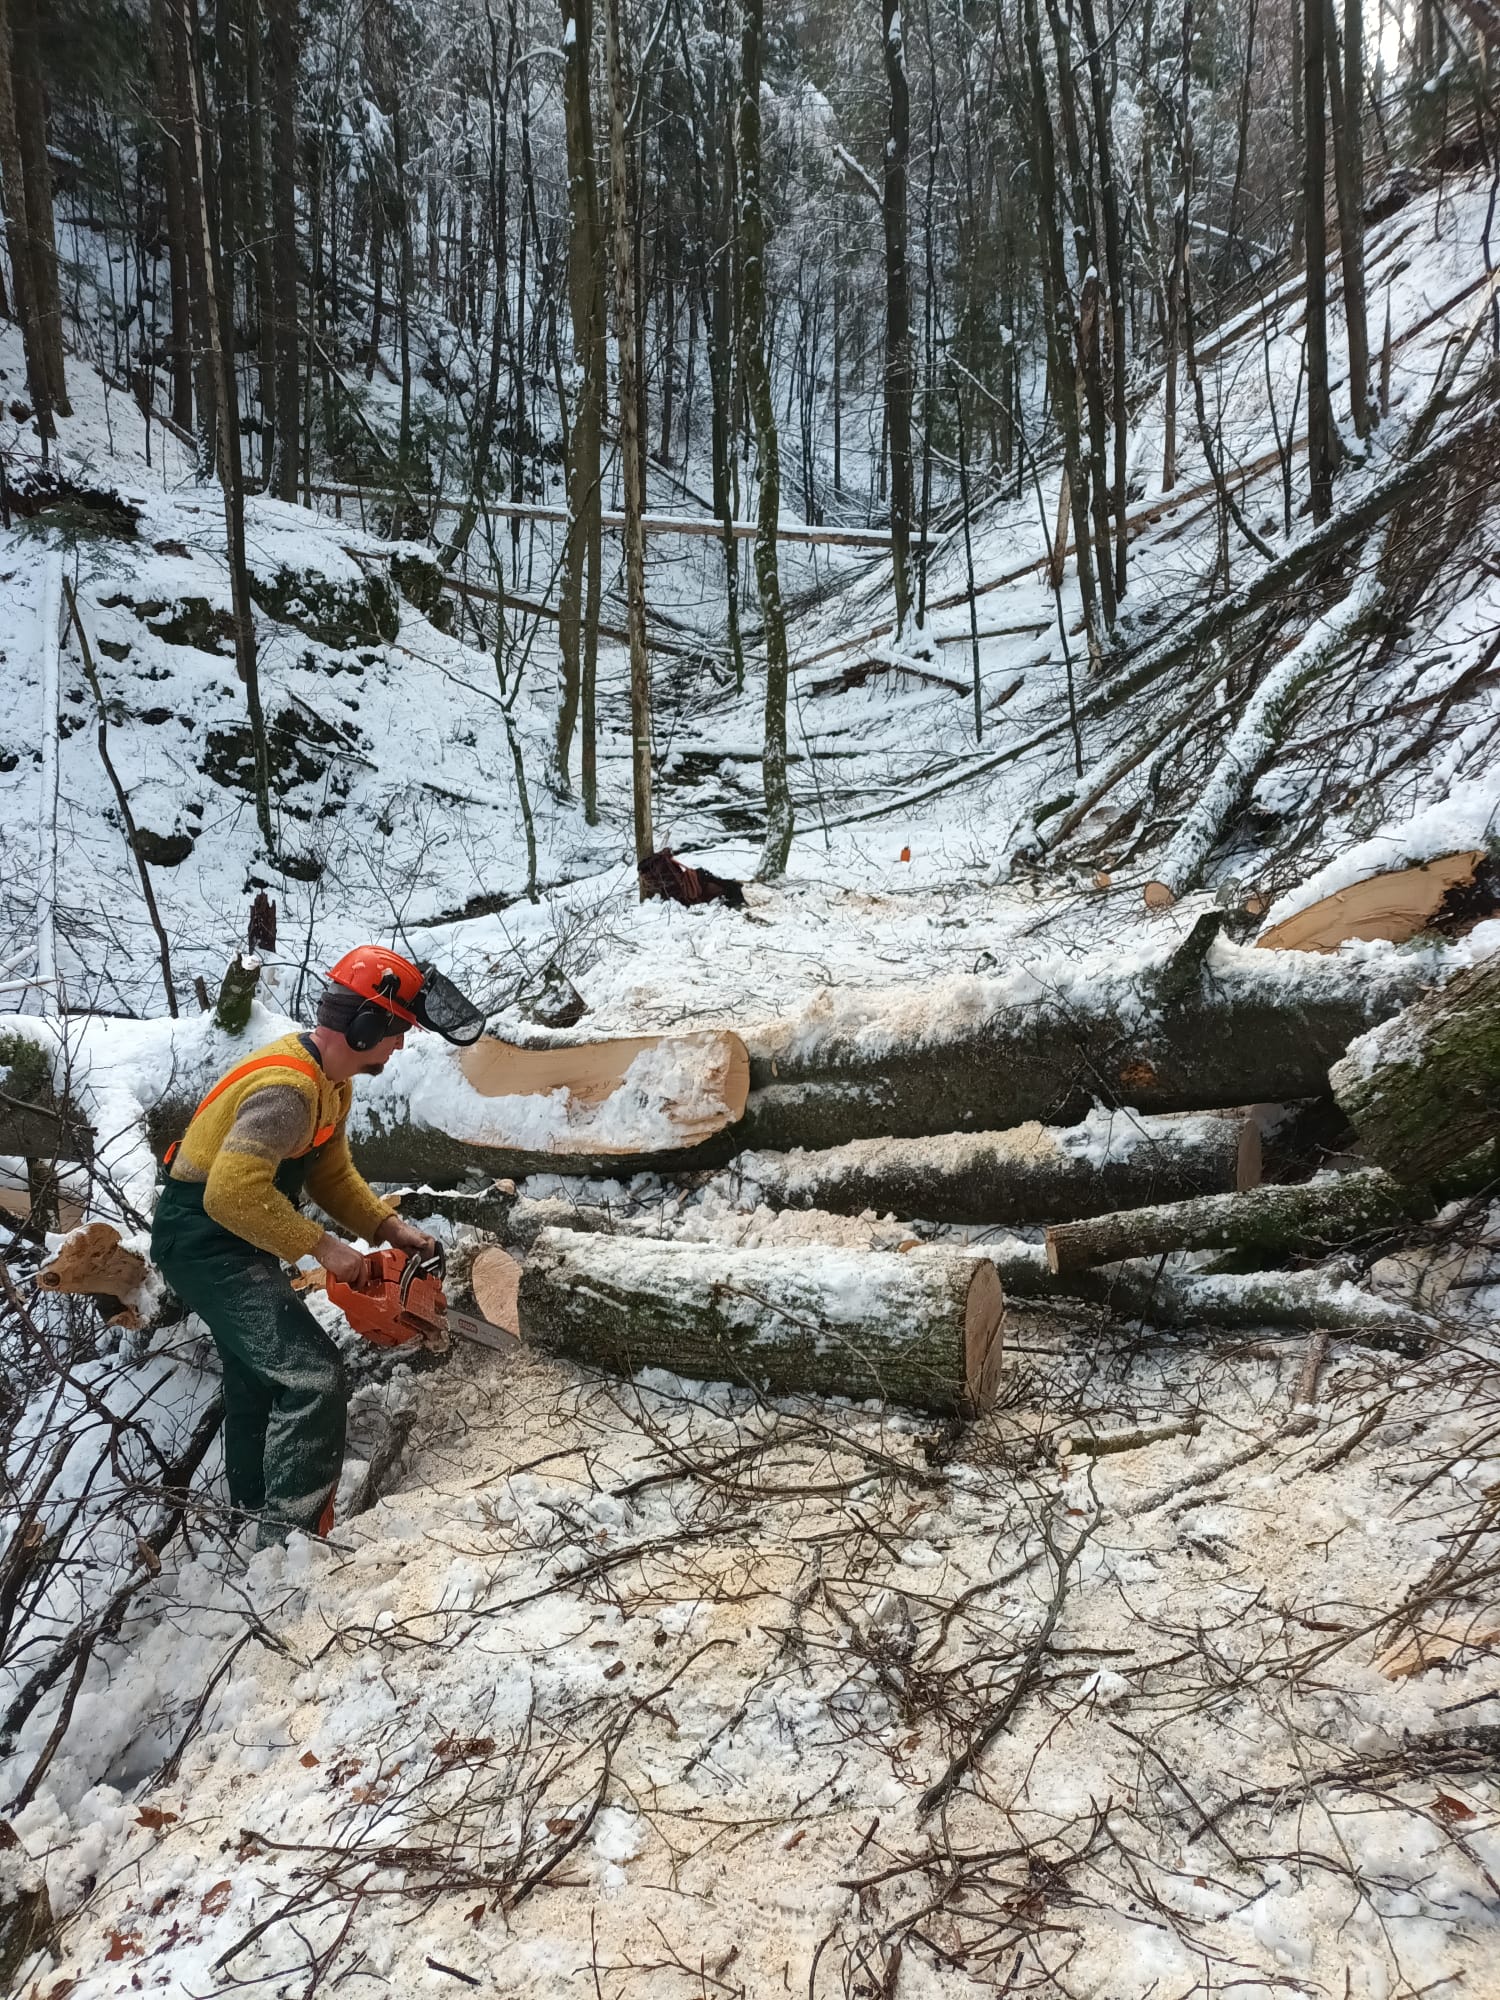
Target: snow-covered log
{"type": "Point", "coordinates": [922, 1328]}
{"type": "Point", "coordinates": [1032, 1173]}
{"type": "Point", "coordinates": [1276, 1220]}
{"type": "Point", "coordinates": [1252, 742]}
{"type": "Point", "coordinates": [1051, 1039]}
{"type": "Point", "coordinates": [1423, 1090]}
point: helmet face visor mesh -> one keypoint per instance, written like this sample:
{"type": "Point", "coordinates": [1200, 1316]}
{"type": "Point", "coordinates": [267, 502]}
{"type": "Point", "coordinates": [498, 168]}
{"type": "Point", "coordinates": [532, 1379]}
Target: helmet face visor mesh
{"type": "Point", "coordinates": [447, 1012]}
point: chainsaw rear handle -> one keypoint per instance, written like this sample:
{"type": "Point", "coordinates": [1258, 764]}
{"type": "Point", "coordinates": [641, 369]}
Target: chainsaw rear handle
{"type": "Point", "coordinates": [397, 1298]}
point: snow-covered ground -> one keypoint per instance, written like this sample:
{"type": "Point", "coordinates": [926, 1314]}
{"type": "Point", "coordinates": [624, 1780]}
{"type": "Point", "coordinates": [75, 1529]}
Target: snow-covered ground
{"type": "Point", "coordinates": [640, 1686]}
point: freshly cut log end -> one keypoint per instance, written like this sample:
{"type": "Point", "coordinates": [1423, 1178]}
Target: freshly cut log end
{"type": "Point", "coordinates": [701, 1080]}
{"type": "Point", "coordinates": [984, 1346]}
{"type": "Point", "coordinates": [1158, 896]}
{"type": "Point", "coordinates": [495, 1281]}
{"type": "Point", "coordinates": [922, 1328]}
{"type": "Point", "coordinates": [1395, 905]}
{"type": "Point", "coordinates": [93, 1260]}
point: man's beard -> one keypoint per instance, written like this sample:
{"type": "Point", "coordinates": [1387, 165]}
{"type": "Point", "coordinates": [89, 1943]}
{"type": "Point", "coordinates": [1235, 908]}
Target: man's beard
{"type": "Point", "coordinates": [374, 1068]}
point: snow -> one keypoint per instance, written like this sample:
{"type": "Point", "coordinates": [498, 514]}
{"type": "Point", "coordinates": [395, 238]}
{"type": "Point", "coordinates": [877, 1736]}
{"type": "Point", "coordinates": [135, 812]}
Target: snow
{"type": "Point", "coordinates": [746, 1633]}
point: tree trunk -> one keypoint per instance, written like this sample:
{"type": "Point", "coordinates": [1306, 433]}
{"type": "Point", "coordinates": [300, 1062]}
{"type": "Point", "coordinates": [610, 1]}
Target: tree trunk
{"type": "Point", "coordinates": [1346, 104]}
{"type": "Point", "coordinates": [584, 499]}
{"type": "Point", "coordinates": [1423, 1090]}
{"type": "Point", "coordinates": [30, 111]}
{"type": "Point", "coordinates": [1241, 1035]}
{"type": "Point", "coordinates": [1279, 1221]}
{"type": "Point", "coordinates": [18, 239]}
{"type": "Point", "coordinates": [1320, 445]}
{"type": "Point", "coordinates": [898, 350]}
{"type": "Point", "coordinates": [181, 336]}
{"type": "Point", "coordinates": [629, 397]}
{"type": "Point", "coordinates": [286, 457]}
{"type": "Point", "coordinates": [756, 365]}
{"type": "Point", "coordinates": [226, 404]}
{"type": "Point", "coordinates": [922, 1329]}
{"type": "Point", "coordinates": [258, 204]}
{"type": "Point", "coordinates": [1114, 267]}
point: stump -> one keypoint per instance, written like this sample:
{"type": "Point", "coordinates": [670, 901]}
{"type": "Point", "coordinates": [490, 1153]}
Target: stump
{"type": "Point", "coordinates": [923, 1328]}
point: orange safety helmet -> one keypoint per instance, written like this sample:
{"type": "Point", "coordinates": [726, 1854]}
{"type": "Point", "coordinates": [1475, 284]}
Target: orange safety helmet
{"type": "Point", "coordinates": [382, 976]}
{"type": "Point", "coordinates": [398, 994]}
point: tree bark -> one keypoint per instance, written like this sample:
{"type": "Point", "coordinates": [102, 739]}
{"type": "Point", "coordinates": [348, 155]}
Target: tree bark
{"type": "Point", "coordinates": [18, 238]}
{"type": "Point", "coordinates": [756, 366]}
{"type": "Point", "coordinates": [629, 398]}
{"type": "Point", "coordinates": [1237, 1036]}
{"type": "Point", "coordinates": [922, 1329]}
{"type": "Point", "coordinates": [1320, 434]}
{"type": "Point", "coordinates": [1278, 1221]}
{"type": "Point", "coordinates": [1033, 1173]}
{"type": "Point", "coordinates": [1346, 103]}
{"type": "Point", "coordinates": [898, 349]}
{"type": "Point", "coordinates": [30, 110]}
{"type": "Point", "coordinates": [286, 455]}
{"type": "Point", "coordinates": [1423, 1090]}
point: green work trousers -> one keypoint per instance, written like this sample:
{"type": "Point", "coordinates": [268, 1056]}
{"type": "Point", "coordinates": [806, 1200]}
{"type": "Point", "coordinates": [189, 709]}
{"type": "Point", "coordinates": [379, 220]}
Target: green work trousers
{"type": "Point", "coordinates": [285, 1393]}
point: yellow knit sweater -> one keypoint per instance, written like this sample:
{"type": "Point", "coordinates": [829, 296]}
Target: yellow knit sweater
{"type": "Point", "coordinates": [235, 1144]}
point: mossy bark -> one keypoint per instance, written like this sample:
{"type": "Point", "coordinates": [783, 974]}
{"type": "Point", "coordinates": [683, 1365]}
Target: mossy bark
{"type": "Point", "coordinates": [1274, 1220]}
{"type": "Point", "coordinates": [1423, 1090]}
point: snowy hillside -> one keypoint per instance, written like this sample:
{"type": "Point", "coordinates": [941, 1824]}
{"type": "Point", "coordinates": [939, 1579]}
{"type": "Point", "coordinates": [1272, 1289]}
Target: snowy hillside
{"type": "Point", "coordinates": [1174, 1672]}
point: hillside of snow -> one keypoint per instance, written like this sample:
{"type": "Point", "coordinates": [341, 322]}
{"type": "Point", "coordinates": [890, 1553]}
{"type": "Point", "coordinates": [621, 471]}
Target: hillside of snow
{"type": "Point", "coordinates": [645, 1686]}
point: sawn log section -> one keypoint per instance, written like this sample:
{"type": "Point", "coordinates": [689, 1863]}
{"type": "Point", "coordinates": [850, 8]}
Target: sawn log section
{"type": "Point", "coordinates": [923, 1328]}
{"type": "Point", "coordinates": [1033, 1173]}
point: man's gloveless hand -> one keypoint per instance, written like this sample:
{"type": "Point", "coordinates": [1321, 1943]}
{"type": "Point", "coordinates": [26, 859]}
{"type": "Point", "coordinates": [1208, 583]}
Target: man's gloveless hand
{"type": "Point", "coordinates": [405, 1236]}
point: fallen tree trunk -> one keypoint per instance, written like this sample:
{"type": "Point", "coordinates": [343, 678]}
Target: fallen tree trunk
{"type": "Point", "coordinates": [922, 1329]}
{"type": "Point", "coordinates": [975, 1054]}
{"type": "Point", "coordinates": [1277, 1220]}
{"type": "Point", "coordinates": [1029, 1174]}
{"type": "Point", "coordinates": [1204, 1025]}
{"type": "Point", "coordinates": [1423, 1091]}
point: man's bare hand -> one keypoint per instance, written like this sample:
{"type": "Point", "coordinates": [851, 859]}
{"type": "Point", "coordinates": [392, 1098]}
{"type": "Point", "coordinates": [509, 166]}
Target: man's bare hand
{"type": "Point", "coordinates": [405, 1236]}
{"type": "Point", "coordinates": [340, 1260]}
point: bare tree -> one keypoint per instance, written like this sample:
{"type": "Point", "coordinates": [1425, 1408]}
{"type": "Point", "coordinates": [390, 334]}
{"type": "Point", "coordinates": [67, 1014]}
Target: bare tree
{"type": "Point", "coordinates": [779, 821]}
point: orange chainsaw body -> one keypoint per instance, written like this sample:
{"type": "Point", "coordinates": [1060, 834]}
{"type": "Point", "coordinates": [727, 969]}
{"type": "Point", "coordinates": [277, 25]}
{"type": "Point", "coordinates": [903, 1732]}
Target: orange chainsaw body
{"type": "Point", "coordinates": [391, 1305]}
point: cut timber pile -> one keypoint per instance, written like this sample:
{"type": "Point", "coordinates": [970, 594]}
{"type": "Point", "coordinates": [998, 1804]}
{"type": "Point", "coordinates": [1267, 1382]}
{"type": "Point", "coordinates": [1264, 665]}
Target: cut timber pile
{"type": "Point", "coordinates": [922, 1328]}
{"type": "Point", "coordinates": [1030, 1174]}
{"type": "Point", "coordinates": [1395, 905]}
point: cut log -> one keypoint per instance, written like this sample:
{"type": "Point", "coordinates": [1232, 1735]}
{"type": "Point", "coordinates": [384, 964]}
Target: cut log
{"type": "Point", "coordinates": [1032, 1173]}
{"type": "Point", "coordinates": [1395, 905]}
{"type": "Point", "coordinates": [92, 1260]}
{"type": "Point", "coordinates": [922, 1329]}
{"type": "Point", "coordinates": [1423, 1091]}
{"type": "Point", "coordinates": [975, 1054]}
{"type": "Point", "coordinates": [1276, 1220]}
{"type": "Point", "coordinates": [17, 1202]}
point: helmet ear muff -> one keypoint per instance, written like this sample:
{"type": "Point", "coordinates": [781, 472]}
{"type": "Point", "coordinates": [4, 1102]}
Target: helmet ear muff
{"type": "Point", "coordinates": [367, 1026]}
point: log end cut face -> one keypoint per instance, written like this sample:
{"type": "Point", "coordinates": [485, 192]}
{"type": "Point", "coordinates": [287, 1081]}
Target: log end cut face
{"type": "Point", "coordinates": [984, 1342]}
{"type": "Point", "coordinates": [1394, 905]}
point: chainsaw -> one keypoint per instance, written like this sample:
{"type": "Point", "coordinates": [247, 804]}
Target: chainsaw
{"type": "Point", "coordinates": [399, 1297]}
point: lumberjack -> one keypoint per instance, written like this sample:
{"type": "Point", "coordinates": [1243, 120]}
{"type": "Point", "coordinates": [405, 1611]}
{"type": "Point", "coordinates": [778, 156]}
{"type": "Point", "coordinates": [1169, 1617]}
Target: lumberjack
{"type": "Point", "coordinates": [228, 1220]}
